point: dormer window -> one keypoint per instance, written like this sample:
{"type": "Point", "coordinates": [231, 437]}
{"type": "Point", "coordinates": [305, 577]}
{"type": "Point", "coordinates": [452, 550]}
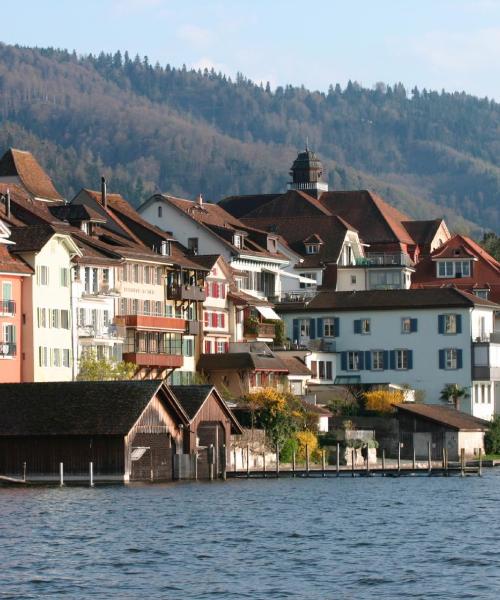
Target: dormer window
{"type": "Point", "coordinates": [453, 268]}
{"type": "Point", "coordinates": [237, 240]}
{"type": "Point", "coordinates": [165, 248]}
{"type": "Point", "coordinates": [312, 248]}
{"type": "Point", "coordinates": [85, 227]}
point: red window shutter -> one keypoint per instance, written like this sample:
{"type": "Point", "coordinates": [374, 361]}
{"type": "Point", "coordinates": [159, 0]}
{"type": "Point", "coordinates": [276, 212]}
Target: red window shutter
{"type": "Point", "coordinates": [222, 290]}
{"type": "Point", "coordinates": [314, 368]}
{"type": "Point", "coordinates": [207, 318]}
{"type": "Point", "coordinates": [216, 290]}
{"type": "Point", "coordinates": [226, 347]}
{"type": "Point", "coordinates": [214, 319]}
{"type": "Point", "coordinates": [207, 346]}
{"type": "Point", "coordinates": [223, 320]}
{"type": "Point", "coordinates": [207, 289]}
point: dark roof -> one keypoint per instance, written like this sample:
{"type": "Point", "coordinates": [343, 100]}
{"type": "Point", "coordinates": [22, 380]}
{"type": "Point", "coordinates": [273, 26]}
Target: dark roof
{"type": "Point", "coordinates": [22, 164]}
{"type": "Point", "coordinates": [389, 299]}
{"type": "Point", "coordinates": [423, 232]}
{"type": "Point", "coordinates": [445, 415]}
{"type": "Point", "coordinates": [76, 213]}
{"type": "Point", "coordinates": [240, 206]}
{"type": "Point", "coordinates": [73, 408]}
{"type": "Point", "coordinates": [315, 409]}
{"type": "Point", "coordinates": [206, 261]}
{"type": "Point", "coordinates": [246, 361]}
{"type": "Point", "coordinates": [295, 365]}
{"type": "Point", "coordinates": [31, 238]}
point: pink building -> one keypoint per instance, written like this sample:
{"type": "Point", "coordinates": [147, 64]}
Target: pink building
{"type": "Point", "coordinates": [12, 273]}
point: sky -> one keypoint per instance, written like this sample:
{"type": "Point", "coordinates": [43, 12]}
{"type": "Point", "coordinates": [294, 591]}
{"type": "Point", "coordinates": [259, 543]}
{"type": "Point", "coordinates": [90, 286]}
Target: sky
{"type": "Point", "coordinates": [436, 44]}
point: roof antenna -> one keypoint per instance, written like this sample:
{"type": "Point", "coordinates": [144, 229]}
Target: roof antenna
{"type": "Point", "coordinates": [307, 143]}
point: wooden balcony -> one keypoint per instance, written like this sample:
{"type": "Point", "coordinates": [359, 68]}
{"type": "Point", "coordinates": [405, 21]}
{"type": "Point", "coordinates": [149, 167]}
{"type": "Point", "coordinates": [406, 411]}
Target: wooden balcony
{"type": "Point", "coordinates": [186, 292]}
{"type": "Point", "coordinates": [145, 359]}
{"type": "Point", "coordinates": [260, 330]}
{"type": "Point", "coordinates": [151, 322]}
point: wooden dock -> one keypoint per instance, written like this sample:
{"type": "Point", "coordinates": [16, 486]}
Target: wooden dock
{"type": "Point", "coordinates": [451, 470]}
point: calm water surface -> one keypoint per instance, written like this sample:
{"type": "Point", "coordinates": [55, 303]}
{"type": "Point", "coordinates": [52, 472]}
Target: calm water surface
{"type": "Point", "coordinates": [309, 539]}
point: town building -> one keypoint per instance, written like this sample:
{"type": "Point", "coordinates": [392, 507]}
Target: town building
{"type": "Point", "coordinates": [421, 339]}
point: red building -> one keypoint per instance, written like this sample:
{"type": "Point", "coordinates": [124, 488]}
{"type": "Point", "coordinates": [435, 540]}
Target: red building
{"type": "Point", "coordinates": [462, 263]}
{"type": "Point", "coordinates": [12, 273]}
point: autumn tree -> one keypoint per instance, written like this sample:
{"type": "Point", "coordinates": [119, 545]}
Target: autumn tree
{"type": "Point", "coordinates": [92, 368]}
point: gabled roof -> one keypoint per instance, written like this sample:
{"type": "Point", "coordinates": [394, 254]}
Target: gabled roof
{"type": "Point", "coordinates": [22, 164]}
{"type": "Point", "coordinates": [423, 232]}
{"type": "Point", "coordinates": [314, 238]}
{"type": "Point", "coordinates": [389, 299]}
{"type": "Point", "coordinates": [32, 238]}
{"type": "Point", "coordinates": [295, 365]}
{"type": "Point", "coordinates": [193, 397]}
{"type": "Point", "coordinates": [444, 415]}
{"type": "Point", "coordinates": [254, 356]}
{"type": "Point", "coordinates": [73, 408]}
{"type": "Point", "coordinates": [9, 263]}
{"type": "Point", "coordinates": [458, 252]}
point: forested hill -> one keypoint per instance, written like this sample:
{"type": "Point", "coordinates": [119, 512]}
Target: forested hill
{"type": "Point", "coordinates": [150, 128]}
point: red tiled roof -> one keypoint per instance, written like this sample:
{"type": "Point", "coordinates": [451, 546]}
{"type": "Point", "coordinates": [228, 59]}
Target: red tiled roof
{"type": "Point", "coordinates": [449, 252]}
{"type": "Point", "coordinates": [12, 264]}
{"type": "Point", "coordinates": [22, 164]}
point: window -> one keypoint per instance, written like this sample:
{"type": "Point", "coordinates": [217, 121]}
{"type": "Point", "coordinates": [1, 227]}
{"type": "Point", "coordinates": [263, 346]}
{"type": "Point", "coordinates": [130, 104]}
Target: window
{"type": "Point", "coordinates": [158, 275]}
{"type": "Point", "coordinates": [329, 328]}
{"type": "Point", "coordinates": [362, 326]}
{"type": "Point", "coordinates": [105, 276]}
{"type": "Point", "coordinates": [42, 317]}
{"type": "Point", "coordinates": [304, 328]}
{"type": "Point", "coordinates": [135, 307]}
{"type": "Point", "coordinates": [450, 358]}
{"type": "Point", "coordinates": [125, 273]}
{"type": "Point", "coordinates": [353, 361]}
{"type": "Point", "coordinates": [165, 248]}
{"type": "Point", "coordinates": [482, 293]}
{"type": "Point", "coordinates": [408, 325]}
{"type": "Point", "coordinates": [193, 245]}
{"type": "Point", "coordinates": [454, 268]}
{"type": "Point", "coordinates": [353, 279]}
{"type": "Point", "coordinates": [147, 274]}
{"type": "Point", "coordinates": [105, 318]}
{"type": "Point", "coordinates": [65, 357]}
{"type": "Point", "coordinates": [324, 369]}
{"type": "Point", "coordinates": [95, 281]}
{"type": "Point", "coordinates": [402, 362]}
{"type": "Point", "coordinates": [377, 360]}
{"type": "Point", "coordinates": [43, 356]}
{"type": "Point", "coordinates": [237, 240]}
{"type": "Point", "coordinates": [221, 346]}
{"type": "Point", "coordinates": [65, 319]}
{"type": "Point", "coordinates": [304, 285]}
{"type": "Point", "coordinates": [64, 277]}
{"type": "Point", "coordinates": [42, 275]}
{"type": "Point", "coordinates": [57, 357]}
{"type": "Point", "coordinates": [147, 307]}
{"type": "Point", "coordinates": [135, 271]}
{"type": "Point", "coordinates": [55, 318]}
{"type": "Point", "coordinates": [187, 347]}
{"type": "Point", "coordinates": [312, 248]}
{"type": "Point", "coordinates": [384, 280]}
{"type": "Point", "coordinates": [160, 212]}
{"type": "Point", "coordinates": [450, 324]}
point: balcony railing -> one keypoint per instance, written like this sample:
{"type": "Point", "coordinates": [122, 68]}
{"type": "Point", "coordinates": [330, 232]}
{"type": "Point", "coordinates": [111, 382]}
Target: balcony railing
{"type": "Point", "coordinates": [260, 330]}
{"type": "Point", "coordinates": [7, 349]}
{"type": "Point", "coordinates": [152, 322]}
{"type": "Point", "coordinates": [186, 292]}
{"type": "Point", "coordinates": [375, 259]}
{"type": "Point", "coordinates": [109, 331]}
{"type": "Point", "coordinates": [147, 359]}
{"type": "Point", "coordinates": [296, 295]}
{"type": "Point", "coordinates": [7, 307]}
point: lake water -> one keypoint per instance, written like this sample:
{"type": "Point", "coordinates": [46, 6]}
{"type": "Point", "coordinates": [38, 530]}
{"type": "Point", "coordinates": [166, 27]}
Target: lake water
{"type": "Point", "coordinates": [384, 538]}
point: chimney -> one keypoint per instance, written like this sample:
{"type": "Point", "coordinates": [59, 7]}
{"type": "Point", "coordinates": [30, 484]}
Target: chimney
{"type": "Point", "coordinates": [104, 193]}
{"type": "Point", "coordinates": [199, 200]}
{"type": "Point", "coordinates": [7, 204]}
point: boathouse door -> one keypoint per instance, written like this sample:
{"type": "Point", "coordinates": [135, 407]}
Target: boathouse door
{"type": "Point", "coordinates": [151, 457]}
{"type": "Point", "coordinates": [210, 434]}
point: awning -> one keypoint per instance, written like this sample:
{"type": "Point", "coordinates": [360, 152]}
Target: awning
{"type": "Point", "coordinates": [268, 313]}
{"type": "Point", "coordinates": [300, 278]}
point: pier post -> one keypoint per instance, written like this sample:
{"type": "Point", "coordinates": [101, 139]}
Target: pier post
{"type": "Point", "coordinates": [61, 474]}
{"type": "Point", "coordinates": [248, 460]}
{"type": "Point", "coordinates": [338, 460]}
{"type": "Point", "coordinates": [293, 463]}
{"type": "Point", "coordinates": [210, 451]}
{"type": "Point", "coordinates": [383, 462]}
{"type": "Point", "coordinates": [446, 459]}
{"type": "Point", "coordinates": [429, 457]}
{"type": "Point", "coordinates": [224, 462]}
{"type": "Point", "coordinates": [277, 461]}
{"type": "Point", "coordinates": [462, 462]}
{"type": "Point", "coordinates": [367, 460]}
{"type": "Point", "coordinates": [480, 470]}
{"type": "Point", "coordinates": [399, 458]}
{"type": "Point", "coordinates": [307, 460]}
{"type": "Point", "coordinates": [196, 466]}
{"type": "Point", "coordinates": [414, 464]}
{"type": "Point", "coordinates": [352, 461]}
{"type": "Point", "coordinates": [323, 462]}
{"type": "Point", "coordinates": [91, 474]}
{"type": "Point", "coordinates": [263, 464]}
{"type": "Point", "coordinates": [234, 460]}
{"type": "Point", "coordinates": [24, 471]}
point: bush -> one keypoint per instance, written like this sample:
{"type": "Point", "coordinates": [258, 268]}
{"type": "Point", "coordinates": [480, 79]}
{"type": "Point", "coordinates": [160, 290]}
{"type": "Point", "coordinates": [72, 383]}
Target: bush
{"type": "Point", "coordinates": [309, 439]}
{"type": "Point", "coordinates": [492, 437]}
{"type": "Point", "coordinates": [382, 401]}
{"type": "Point", "coordinates": [290, 446]}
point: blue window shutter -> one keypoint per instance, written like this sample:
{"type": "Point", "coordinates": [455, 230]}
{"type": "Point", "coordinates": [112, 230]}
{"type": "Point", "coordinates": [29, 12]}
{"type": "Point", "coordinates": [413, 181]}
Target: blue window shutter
{"type": "Point", "coordinates": [459, 323]}
{"type": "Point", "coordinates": [337, 326]}
{"type": "Point", "coordinates": [361, 360]}
{"type": "Point", "coordinates": [319, 328]}
{"type": "Point", "coordinates": [459, 359]}
{"type": "Point", "coordinates": [386, 359]}
{"type": "Point", "coordinates": [295, 330]}
{"type": "Point", "coordinates": [441, 359]}
{"type": "Point", "coordinates": [343, 361]}
{"type": "Point", "coordinates": [392, 359]}
{"type": "Point", "coordinates": [368, 360]}
{"type": "Point", "coordinates": [440, 323]}
{"type": "Point", "coordinates": [410, 359]}
{"type": "Point", "coordinates": [357, 326]}
{"type": "Point", "coordinates": [413, 325]}
{"type": "Point", "coordinates": [312, 328]}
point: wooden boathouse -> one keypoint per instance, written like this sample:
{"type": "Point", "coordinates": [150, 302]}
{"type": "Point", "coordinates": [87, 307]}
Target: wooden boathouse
{"type": "Point", "coordinates": [127, 430]}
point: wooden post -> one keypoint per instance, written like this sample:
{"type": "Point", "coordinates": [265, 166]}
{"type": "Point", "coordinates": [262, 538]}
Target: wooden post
{"type": "Point", "coordinates": [338, 460]}
{"type": "Point", "coordinates": [196, 466]}
{"type": "Point", "coordinates": [234, 460]}
{"type": "Point", "coordinates": [307, 460]}
{"type": "Point", "coordinates": [444, 460]}
{"type": "Point", "coordinates": [462, 462]}
{"type": "Point", "coordinates": [224, 462]}
{"type": "Point", "coordinates": [480, 471]}
{"type": "Point", "coordinates": [367, 460]}
{"type": "Point", "coordinates": [429, 457]}
{"type": "Point", "coordinates": [277, 461]}
{"type": "Point", "coordinates": [399, 458]}
{"type": "Point", "coordinates": [383, 462]}
{"type": "Point", "coordinates": [248, 460]}
{"type": "Point", "coordinates": [263, 464]}
{"type": "Point", "coordinates": [24, 471]}
{"type": "Point", "coordinates": [61, 474]}
{"type": "Point", "coordinates": [352, 461]}
{"type": "Point", "coordinates": [293, 463]}
{"type": "Point", "coordinates": [91, 474]}
{"type": "Point", "coordinates": [323, 462]}
{"type": "Point", "coordinates": [210, 451]}
{"type": "Point", "coordinates": [414, 459]}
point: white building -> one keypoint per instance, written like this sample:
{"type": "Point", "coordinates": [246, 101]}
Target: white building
{"type": "Point", "coordinates": [424, 339]}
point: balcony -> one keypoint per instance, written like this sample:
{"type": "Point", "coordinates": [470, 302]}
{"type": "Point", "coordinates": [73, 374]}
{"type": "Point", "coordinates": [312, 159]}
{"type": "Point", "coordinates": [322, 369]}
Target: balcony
{"type": "Point", "coordinates": [192, 328]}
{"type": "Point", "coordinates": [7, 307]}
{"type": "Point", "coordinates": [152, 322]}
{"type": "Point", "coordinates": [254, 330]}
{"type": "Point", "coordinates": [145, 359]}
{"type": "Point", "coordinates": [376, 259]}
{"type": "Point", "coordinates": [186, 292]}
{"type": "Point", "coordinates": [297, 295]}
{"type": "Point", "coordinates": [486, 360]}
{"type": "Point", "coordinates": [108, 332]}
{"type": "Point", "coordinates": [103, 290]}
{"type": "Point", "coordinates": [7, 350]}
